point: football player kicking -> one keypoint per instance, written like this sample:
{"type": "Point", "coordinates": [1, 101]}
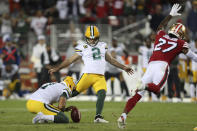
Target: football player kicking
{"type": "Point", "coordinates": [94, 55]}
{"type": "Point", "coordinates": [166, 48]}
{"type": "Point", "coordinates": [41, 101]}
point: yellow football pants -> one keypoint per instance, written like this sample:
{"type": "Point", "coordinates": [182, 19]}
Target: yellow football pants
{"type": "Point", "coordinates": [37, 106]}
{"type": "Point", "coordinates": [97, 81]}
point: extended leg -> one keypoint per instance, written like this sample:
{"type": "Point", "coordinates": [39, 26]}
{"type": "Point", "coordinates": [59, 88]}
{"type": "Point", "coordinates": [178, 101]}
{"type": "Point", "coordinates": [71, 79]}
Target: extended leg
{"type": "Point", "coordinates": [129, 106]}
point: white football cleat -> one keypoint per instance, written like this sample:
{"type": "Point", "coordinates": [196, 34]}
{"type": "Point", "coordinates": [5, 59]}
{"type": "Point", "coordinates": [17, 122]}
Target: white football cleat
{"type": "Point", "coordinates": [99, 119]}
{"type": "Point", "coordinates": [37, 118]}
{"type": "Point", "coordinates": [121, 122]}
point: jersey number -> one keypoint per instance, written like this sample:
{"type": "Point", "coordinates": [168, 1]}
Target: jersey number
{"type": "Point", "coordinates": [162, 42]}
{"type": "Point", "coordinates": [46, 85]}
{"type": "Point", "coordinates": [96, 53]}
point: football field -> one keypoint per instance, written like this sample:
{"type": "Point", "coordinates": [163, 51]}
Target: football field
{"type": "Point", "coordinates": [147, 116]}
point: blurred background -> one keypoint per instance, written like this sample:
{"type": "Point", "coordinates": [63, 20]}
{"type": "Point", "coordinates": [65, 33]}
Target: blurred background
{"type": "Point", "coordinates": [37, 34]}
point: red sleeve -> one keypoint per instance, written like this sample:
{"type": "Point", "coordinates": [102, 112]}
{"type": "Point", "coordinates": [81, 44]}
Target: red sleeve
{"type": "Point", "coordinates": [161, 33]}
{"type": "Point", "coordinates": [183, 43]}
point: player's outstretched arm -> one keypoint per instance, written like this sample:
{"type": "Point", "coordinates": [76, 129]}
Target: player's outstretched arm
{"type": "Point", "coordinates": [173, 12]}
{"type": "Point", "coordinates": [114, 62]}
{"type": "Point", "coordinates": [190, 54]}
{"type": "Point", "coordinates": [65, 63]}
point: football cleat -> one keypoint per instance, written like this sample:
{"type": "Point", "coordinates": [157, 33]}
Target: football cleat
{"type": "Point", "coordinates": [100, 119]}
{"type": "Point", "coordinates": [37, 118]}
{"type": "Point", "coordinates": [121, 122]}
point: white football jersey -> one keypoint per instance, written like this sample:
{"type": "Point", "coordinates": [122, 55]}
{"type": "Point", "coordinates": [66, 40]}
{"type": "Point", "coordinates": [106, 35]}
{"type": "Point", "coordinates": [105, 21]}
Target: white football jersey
{"type": "Point", "coordinates": [193, 63]}
{"type": "Point", "coordinates": [93, 57]}
{"type": "Point", "coordinates": [50, 92]}
{"type": "Point", "coordinates": [145, 53]}
{"type": "Point", "coordinates": [38, 24]}
{"type": "Point", "coordinates": [119, 49]}
{"type": "Point", "coordinates": [182, 56]}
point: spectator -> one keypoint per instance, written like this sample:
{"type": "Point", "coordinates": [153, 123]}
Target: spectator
{"type": "Point", "coordinates": [192, 20]}
{"type": "Point", "coordinates": [4, 7]}
{"type": "Point", "coordinates": [129, 8]}
{"type": "Point", "coordinates": [90, 4]}
{"type": "Point", "coordinates": [73, 9]}
{"type": "Point", "coordinates": [14, 7]}
{"type": "Point", "coordinates": [102, 9]}
{"type": "Point", "coordinates": [140, 9]}
{"type": "Point", "coordinates": [88, 18]}
{"type": "Point", "coordinates": [113, 72]}
{"type": "Point", "coordinates": [193, 73]}
{"type": "Point", "coordinates": [21, 27]}
{"type": "Point", "coordinates": [173, 79]}
{"type": "Point", "coordinates": [38, 23]}
{"type": "Point", "coordinates": [118, 7]}
{"type": "Point", "coordinates": [157, 17]}
{"type": "Point", "coordinates": [129, 12]}
{"type": "Point", "coordinates": [54, 60]}
{"type": "Point", "coordinates": [6, 24]}
{"type": "Point", "coordinates": [74, 68]}
{"type": "Point", "coordinates": [61, 6]}
{"type": "Point", "coordinates": [40, 59]}
{"type": "Point", "coordinates": [11, 79]}
{"type": "Point", "coordinates": [10, 52]}
{"type": "Point", "coordinates": [81, 7]}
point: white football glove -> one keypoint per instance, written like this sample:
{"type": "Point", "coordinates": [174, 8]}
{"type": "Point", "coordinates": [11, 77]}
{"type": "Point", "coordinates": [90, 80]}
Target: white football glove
{"type": "Point", "coordinates": [175, 9]}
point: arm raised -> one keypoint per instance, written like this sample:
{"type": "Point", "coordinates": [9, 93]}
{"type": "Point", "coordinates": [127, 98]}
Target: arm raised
{"type": "Point", "coordinates": [173, 12]}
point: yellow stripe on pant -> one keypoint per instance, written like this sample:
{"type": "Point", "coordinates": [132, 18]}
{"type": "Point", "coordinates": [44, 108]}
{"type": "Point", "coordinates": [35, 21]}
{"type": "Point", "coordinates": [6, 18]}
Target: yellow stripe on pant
{"type": "Point", "coordinates": [97, 81]}
{"type": "Point", "coordinates": [37, 106]}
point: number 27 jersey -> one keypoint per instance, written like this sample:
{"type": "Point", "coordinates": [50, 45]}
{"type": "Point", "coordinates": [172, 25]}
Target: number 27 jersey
{"type": "Point", "coordinates": [166, 48]}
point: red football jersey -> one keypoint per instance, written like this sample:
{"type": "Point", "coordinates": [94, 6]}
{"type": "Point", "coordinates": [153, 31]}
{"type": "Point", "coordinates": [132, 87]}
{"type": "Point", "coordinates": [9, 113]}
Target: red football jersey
{"type": "Point", "coordinates": [166, 48]}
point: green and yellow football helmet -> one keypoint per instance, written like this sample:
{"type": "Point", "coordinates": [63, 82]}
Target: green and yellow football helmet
{"type": "Point", "coordinates": [69, 82]}
{"type": "Point", "coordinates": [92, 35]}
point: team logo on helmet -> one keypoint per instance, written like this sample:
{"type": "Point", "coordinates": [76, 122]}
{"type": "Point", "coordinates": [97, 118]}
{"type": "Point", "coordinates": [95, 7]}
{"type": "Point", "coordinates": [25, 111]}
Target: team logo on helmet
{"type": "Point", "coordinates": [92, 35]}
{"type": "Point", "coordinates": [178, 30]}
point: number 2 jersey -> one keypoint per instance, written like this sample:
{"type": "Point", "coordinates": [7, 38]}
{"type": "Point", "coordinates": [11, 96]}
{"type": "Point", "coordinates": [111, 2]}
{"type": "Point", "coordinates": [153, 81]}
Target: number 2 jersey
{"type": "Point", "coordinates": [50, 92]}
{"type": "Point", "coordinates": [92, 56]}
{"type": "Point", "coordinates": [166, 48]}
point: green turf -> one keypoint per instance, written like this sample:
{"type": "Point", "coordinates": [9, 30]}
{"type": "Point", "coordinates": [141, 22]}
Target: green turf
{"type": "Point", "coordinates": [145, 117]}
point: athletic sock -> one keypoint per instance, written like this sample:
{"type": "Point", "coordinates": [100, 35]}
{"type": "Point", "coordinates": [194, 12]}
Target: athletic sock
{"type": "Point", "coordinates": [48, 117]}
{"type": "Point", "coordinates": [112, 87]}
{"type": "Point", "coordinates": [192, 90]}
{"type": "Point", "coordinates": [132, 102]}
{"type": "Point", "coordinates": [153, 88]}
{"type": "Point", "coordinates": [124, 115]}
{"type": "Point", "coordinates": [61, 118]}
{"type": "Point", "coordinates": [100, 101]}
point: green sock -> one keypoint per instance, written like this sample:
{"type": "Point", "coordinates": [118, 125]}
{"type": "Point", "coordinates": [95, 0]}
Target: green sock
{"type": "Point", "coordinates": [61, 118]}
{"type": "Point", "coordinates": [100, 101]}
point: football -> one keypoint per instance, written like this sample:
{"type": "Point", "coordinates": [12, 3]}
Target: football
{"type": "Point", "coordinates": [75, 115]}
